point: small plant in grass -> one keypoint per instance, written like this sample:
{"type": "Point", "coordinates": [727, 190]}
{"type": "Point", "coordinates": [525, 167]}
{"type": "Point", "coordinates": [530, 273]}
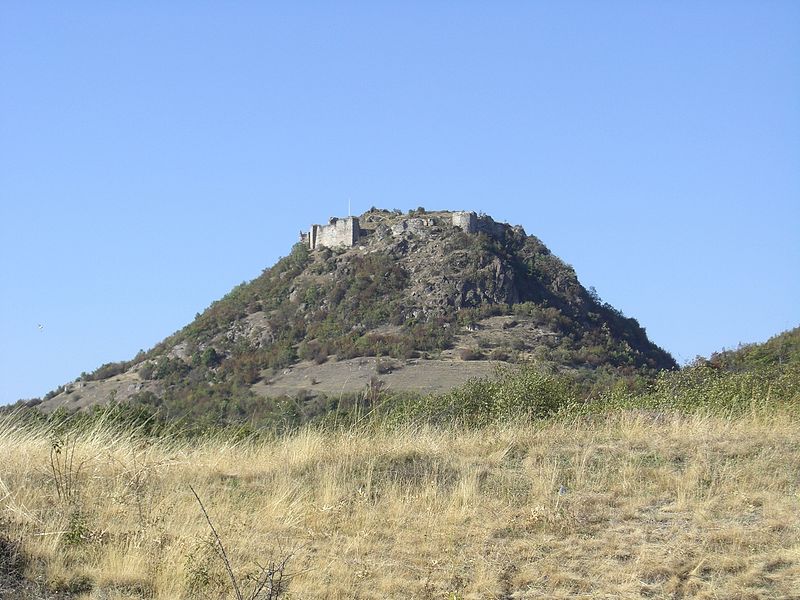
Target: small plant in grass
{"type": "Point", "coordinates": [267, 583]}
{"type": "Point", "coordinates": [63, 467]}
{"type": "Point", "coordinates": [373, 392]}
{"type": "Point", "coordinates": [203, 574]}
{"type": "Point", "coordinates": [74, 584]}
{"type": "Point", "coordinates": [77, 530]}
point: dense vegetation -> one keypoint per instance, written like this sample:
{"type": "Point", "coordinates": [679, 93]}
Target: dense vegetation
{"type": "Point", "coordinates": [782, 349]}
{"type": "Point", "coordinates": [517, 393]}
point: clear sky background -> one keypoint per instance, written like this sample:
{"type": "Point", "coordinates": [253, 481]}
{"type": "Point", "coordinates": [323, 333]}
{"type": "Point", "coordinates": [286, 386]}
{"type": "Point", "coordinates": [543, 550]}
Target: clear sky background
{"type": "Point", "coordinates": [155, 154]}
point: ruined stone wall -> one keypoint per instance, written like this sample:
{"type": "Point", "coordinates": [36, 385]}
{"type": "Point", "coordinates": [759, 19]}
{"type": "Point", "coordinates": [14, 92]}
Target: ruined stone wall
{"type": "Point", "coordinates": [339, 232]}
{"type": "Point", "coordinates": [466, 220]}
{"type": "Point", "coordinates": [490, 227]}
{"type": "Point", "coordinates": [472, 223]}
{"type": "Point", "coordinates": [346, 232]}
{"type": "Point", "coordinates": [414, 225]}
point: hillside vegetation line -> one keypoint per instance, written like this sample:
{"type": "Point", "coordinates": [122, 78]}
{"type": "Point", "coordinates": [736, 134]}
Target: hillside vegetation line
{"type": "Point", "coordinates": [623, 503]}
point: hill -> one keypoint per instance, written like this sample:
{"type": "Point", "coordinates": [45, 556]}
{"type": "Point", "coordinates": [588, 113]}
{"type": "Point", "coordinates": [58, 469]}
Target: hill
{"type": "Point", "coordinates": [423, 301]}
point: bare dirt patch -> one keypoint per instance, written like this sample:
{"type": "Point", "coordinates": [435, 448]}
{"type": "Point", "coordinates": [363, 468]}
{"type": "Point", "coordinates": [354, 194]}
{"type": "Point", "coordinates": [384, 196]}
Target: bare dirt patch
{"type": "Point", "coordinates": [353, 375]}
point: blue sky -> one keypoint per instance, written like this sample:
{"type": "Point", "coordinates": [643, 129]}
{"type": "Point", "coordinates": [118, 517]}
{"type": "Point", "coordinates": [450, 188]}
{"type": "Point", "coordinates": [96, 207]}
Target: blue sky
{"type": "Point", "coordinates": [154, 155]}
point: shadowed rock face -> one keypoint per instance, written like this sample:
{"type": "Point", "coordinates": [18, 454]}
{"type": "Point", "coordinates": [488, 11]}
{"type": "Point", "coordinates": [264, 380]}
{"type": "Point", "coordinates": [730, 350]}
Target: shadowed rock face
{"type": "Point", "coordinates": [421, 286]}
{"type": "Point", "coordinates": [14, 585]}
{"type": "Point", "coordinates": [11, 560]}
{"type": "Point", "coordinates": [12, 568]}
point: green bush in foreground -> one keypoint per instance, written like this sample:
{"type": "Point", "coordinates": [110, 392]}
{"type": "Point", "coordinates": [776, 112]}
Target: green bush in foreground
{"type": "Point", "coordinates": [702, 387]}
{"type": "Point", "coordinates": [523, 393]}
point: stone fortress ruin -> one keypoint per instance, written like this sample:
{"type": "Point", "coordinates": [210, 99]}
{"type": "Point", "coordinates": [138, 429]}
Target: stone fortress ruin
{"type": "Point", "coordinates": [346, 232]}
{"type": "Point", "coordinates": [337, 233]}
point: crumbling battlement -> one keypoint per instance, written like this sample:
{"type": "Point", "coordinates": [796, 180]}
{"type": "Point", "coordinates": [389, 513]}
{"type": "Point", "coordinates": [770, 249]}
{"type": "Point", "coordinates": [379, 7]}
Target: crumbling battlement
{"type": "Point", "coordinates": [346, 231]}
{"type": "Point", "coordinates": [339, 232]}
{"type": "Point", "coordinates": [466, 220]}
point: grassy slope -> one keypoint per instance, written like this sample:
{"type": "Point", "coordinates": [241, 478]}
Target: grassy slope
{"type": "Point", "coordinates": [656, 506]}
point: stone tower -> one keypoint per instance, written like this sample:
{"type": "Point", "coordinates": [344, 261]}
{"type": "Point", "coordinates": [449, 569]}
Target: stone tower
{"type": "Point", "coordinates": [466, 220]}
{"type": "Point", "coordinates": [337, 233]}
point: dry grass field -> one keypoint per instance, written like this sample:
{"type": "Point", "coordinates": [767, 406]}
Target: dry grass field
{"type": "Point", "coordinates": [630, 505]}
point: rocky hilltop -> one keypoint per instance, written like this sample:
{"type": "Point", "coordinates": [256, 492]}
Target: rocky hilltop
{"type": "Point", "coordinates": [419, 301]}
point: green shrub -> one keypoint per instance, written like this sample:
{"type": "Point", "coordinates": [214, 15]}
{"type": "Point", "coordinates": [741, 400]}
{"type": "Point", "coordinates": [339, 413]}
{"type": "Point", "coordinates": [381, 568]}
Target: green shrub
{"type": "Point", "coordinates": [499, 354]}
{"type": "Point", "coordinates": [470, 354]}
{"type": "Point", "coordinates": [517, 393]}
{"type": "Point", "coordinates": [167, 367]}
{"type": "Point", "coordinates": [107, 370]}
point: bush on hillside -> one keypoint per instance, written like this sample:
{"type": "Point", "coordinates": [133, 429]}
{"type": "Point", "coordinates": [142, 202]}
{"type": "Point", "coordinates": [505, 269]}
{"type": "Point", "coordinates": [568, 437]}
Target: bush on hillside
{"type": "Point", "coordinates": [517, 393]}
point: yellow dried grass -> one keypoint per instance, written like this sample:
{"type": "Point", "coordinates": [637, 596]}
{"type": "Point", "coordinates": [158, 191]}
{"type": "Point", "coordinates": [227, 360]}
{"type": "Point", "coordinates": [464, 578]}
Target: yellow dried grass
{"type": "Point", "coordinates": [673, 506]}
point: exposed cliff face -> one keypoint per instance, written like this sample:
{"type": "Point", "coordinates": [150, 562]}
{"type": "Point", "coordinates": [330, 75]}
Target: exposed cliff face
{"type": "Point", "coordinates": [426, 286]}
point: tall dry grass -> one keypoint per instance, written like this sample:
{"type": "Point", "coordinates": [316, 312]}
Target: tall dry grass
{"type": "Point", "coordinates": [627, 505]}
